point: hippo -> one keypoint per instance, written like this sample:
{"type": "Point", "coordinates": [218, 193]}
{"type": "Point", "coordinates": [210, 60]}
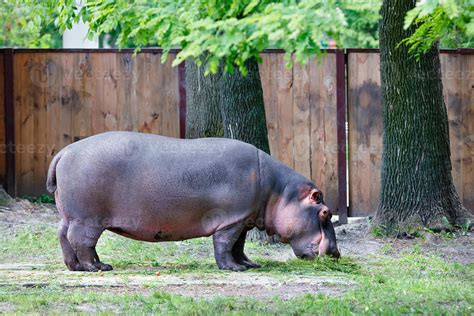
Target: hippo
{"type": "Point", "coordinates": [155, 188]}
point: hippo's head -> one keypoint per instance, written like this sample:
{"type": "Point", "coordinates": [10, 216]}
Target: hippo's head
{"type": "Point", "coordinates": [303, 220]}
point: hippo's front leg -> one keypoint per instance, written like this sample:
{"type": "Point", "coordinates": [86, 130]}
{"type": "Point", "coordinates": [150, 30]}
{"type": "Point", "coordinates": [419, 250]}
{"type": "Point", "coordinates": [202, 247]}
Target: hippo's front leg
{"type": "Point", "coordinates": [238, 252]}
{"type": "Point", "coordinates": [224, 241]}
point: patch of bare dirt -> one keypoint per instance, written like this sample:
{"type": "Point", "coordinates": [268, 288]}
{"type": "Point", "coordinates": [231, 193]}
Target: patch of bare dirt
{"type": "Point", "coordinates": [17, 213]}
{"type": "Point", "coordinates": [355, 239]}
{"type": "Point", "coordinates": [252, 284]}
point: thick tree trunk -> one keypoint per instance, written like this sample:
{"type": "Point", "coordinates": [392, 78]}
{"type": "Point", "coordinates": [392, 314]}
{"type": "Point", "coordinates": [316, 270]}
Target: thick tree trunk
{"type": "Point", "coordinates": [203, 114]}
{"type": "Point", "coordinates": [417, 186]}
{"type": "Point", "coordinates": [242, 107]}
{"type": "Point", "coordinates": [227, 105]}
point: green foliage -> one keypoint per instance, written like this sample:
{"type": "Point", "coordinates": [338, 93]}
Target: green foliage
{"type": "Point", "coordinates": [362, 23]}
{"type": "Point", "coordinates": [43, 198]}
{"type": "Point", "coordinates": [230, 30]}
{"type": "Point", "coordinates": [27, 23]}
{"type": "Point", "coordinates": [449, 21]}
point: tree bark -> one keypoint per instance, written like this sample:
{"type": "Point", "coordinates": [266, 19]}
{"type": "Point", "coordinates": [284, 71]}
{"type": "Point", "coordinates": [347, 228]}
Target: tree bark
{"type": "Point", "coordinates": [242, 107]}
{"type": "Point", "coordinates": [227, 105]}
{"type": "Point", "coordinates": [203, 114]}
{"type": "Point", "coordinates": [417, 187]}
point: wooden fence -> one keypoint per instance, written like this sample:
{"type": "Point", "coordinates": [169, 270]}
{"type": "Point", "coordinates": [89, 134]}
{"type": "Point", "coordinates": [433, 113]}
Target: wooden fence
{"type": "Point", "coordinates": [59, 96]}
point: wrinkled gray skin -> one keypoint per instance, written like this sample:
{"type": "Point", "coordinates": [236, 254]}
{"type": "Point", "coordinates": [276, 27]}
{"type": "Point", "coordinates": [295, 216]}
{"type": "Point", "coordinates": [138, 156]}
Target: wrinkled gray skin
{"type": "Point", "coordinates": [155, 188]}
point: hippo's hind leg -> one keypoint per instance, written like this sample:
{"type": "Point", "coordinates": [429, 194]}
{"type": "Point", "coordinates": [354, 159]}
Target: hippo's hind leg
{"type": "Point", "coordinates": [224, 241]}
{"type": "Point", "coordinates": [83, 240]}
{"type": "Point", "coordinates": [238, 252]}
{"type": "Point", "coordinates": [69, 255]}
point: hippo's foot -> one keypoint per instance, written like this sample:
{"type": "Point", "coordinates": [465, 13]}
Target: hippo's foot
{"type": "Point", "coordinates": [103, 266]}
{"type": "Point", "coordinates": [250, 264]}
{"type": "Point", "coordinates": [244, 260]}
{"type": "Point", "coordinates": [90, 267]}
{"type": "Point", "coordinates": [233, 266]}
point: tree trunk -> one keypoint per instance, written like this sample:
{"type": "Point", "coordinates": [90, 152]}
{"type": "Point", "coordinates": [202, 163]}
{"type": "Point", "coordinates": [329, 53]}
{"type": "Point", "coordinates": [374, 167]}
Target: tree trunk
{"type": "Point", "coordinates": [203, 114]}
{"type": "Point", "coordinates": [242, 107]}
{"type": "Point", "coordinates": [417, 187]}
{"type": "Point", "coordinates": [227, 105]}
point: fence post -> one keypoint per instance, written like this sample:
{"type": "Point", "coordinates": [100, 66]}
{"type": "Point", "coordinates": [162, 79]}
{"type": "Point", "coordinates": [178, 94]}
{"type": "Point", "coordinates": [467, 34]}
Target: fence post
{"type": "Point", "coordinates": [9, 122]}
{"type": "Point", "coordinates": [182, 99]}
{"type": "Point", "coordinates": [341, 135]}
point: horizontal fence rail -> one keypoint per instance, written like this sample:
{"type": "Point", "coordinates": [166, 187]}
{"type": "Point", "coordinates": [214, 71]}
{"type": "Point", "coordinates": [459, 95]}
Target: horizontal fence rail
{"type": "Point", "coordinates": [51, 98]}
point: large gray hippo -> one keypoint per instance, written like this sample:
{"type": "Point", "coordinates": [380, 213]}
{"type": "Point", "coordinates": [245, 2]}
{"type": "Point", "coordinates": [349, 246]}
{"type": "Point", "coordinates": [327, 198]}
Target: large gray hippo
{"type": "Point", "coordinates": [155, 188]}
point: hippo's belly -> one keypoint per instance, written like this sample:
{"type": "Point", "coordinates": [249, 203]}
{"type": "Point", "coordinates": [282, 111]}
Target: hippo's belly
{"type": "Point", "coordinates": [174, 220]}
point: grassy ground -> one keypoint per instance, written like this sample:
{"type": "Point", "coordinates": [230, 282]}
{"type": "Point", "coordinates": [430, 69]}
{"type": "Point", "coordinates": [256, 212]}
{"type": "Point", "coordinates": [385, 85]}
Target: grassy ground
{"type": "Point", "coordinates": [182, 278]}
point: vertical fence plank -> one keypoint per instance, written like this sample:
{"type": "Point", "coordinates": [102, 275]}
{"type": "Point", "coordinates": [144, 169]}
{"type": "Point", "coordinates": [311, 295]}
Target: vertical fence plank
{"type": "Point", "coordinates": [111, 78]}
{"type": "Point", "coordinates": [153, 112]}
{"type": "Point", "coordinates": [324, 127]}
{"type": "Point", "coordinates": [26, 83]}
{"type": "Point", "coordinates": [173, 107]}
{"type": "Point", "coordinates": [317, 100]}
{"type": "Point", "coordinates": [67, 100]}
{"type": "Point", "coordinates": [284, 80]}
{"type": "Point", "coordinates": [166, 75]}
{"type": "Point", "coordinates": [125, 67]}
{"type": "Point", "coordinates": [55, 136]}
{"type": "Point", "coordinates": [38, 144]}
{"type": "Point", "coordinates": [82, 99]}
{"type": "Point", "coordinates": [143, 94]}
{"type": "Point", "coordinates": [301, 120]}
{"type": "Point", "coordinates": [467, 131]}
{"type": "Point", "coordinates": [97, 94]}
{"type": "Point", "coordinates": [451, 74]}
{"type": "Point", "coordinates": [330, 134]}
{"type": "Point", "coordinates": [365, 132]}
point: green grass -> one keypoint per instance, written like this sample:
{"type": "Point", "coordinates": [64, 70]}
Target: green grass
{"type": "Point", "coordinates": [393, 283]}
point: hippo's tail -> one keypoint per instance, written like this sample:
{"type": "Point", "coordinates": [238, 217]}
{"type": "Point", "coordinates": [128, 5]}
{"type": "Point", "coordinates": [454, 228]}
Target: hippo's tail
{"type": "Point", "coordinates": [51, 181]}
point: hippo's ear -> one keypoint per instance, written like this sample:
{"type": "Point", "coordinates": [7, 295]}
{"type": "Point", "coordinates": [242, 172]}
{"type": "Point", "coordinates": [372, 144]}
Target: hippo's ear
{"type": "Point", "coordinates": [310, 194]}
{"type": "Point", "coordinates": [315, 196]}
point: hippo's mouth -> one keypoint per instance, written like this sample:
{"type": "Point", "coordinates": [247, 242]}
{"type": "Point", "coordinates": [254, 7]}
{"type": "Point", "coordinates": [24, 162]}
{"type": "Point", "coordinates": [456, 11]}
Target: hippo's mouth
{"type": "Point", "coordinates": [311, 253]}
